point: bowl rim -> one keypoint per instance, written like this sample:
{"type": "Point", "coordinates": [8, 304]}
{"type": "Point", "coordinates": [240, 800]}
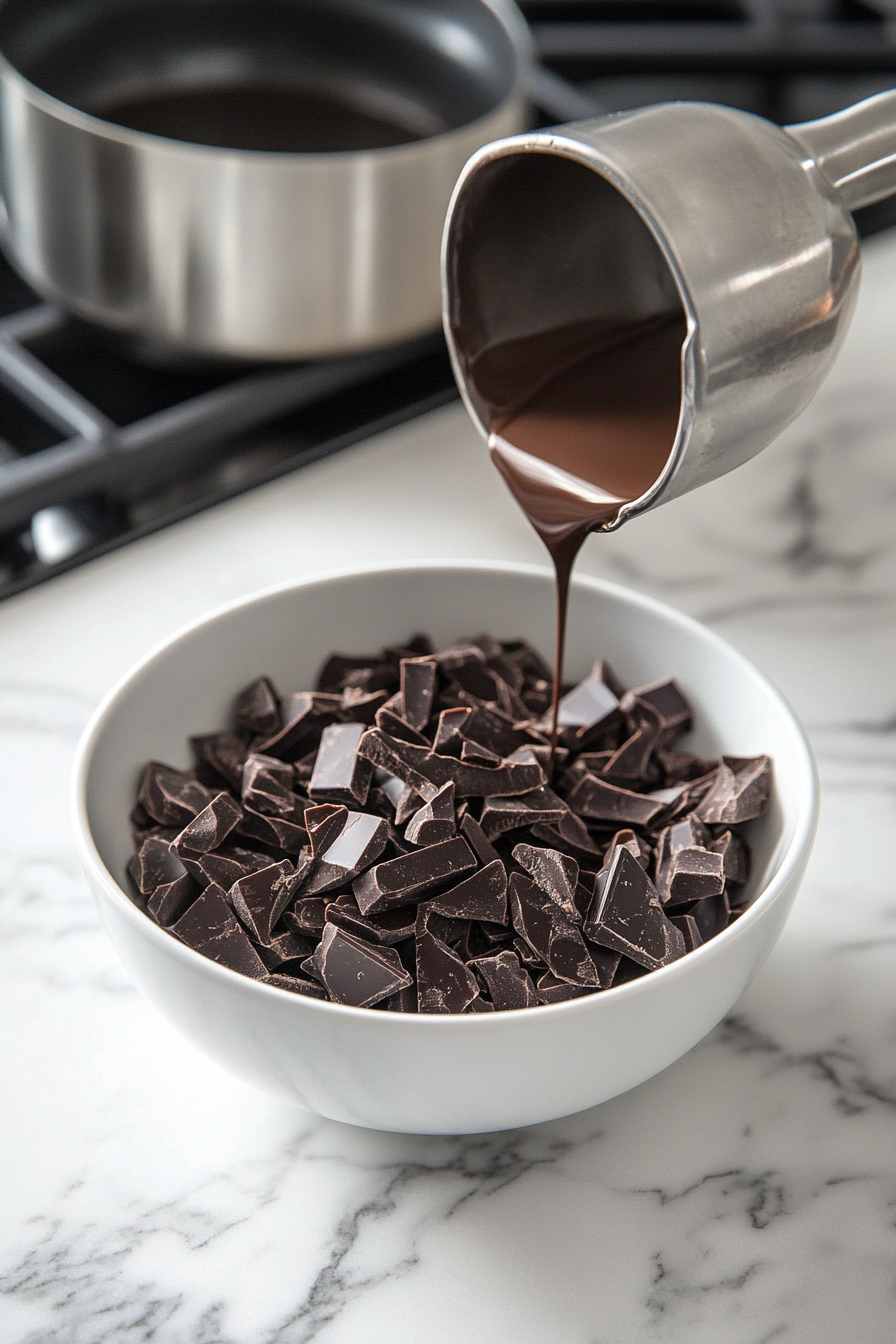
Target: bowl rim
{"type": "Point", "coordinates": [806, 820]}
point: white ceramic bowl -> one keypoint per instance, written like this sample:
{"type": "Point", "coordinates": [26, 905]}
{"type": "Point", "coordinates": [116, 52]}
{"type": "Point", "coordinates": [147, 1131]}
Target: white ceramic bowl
{"type": "Point", "coordinates": [434, 1074]}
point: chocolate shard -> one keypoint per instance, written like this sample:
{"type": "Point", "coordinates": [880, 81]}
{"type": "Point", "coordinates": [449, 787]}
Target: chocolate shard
{"type": "Point", "coordinates": [630, 763]}
{"type": "Point", "coordinates": [323, 824]}
{"type": "Point", "coordinates": [735, 857]}
{"type": "Point", "coordinates": [296, 984]}
{"type": "Point", "coordinates": [627, 916]}
{"type": "Point", "coordinates": [336, 669]}
{"type": "Point", "coordinates": [638, 848]}
{"type": "Point", "coordinates": [507, 983]}
{"type": "Point", "coordinates": [303, 717]}
{"type": "Point", "coordinates": [169, 796]}
{"type": "Point", "coordinates": [393, 725]}
{"type": "Point", "coordinates": [357, 973]}
{"type": "Point", "coordinates": [403, 880]}
{"type": "Point", "coordinates": [259, 899]}
{"type": "Point", "coordinates": [444, 984]}
{"type": "Point", "coordinates": [221, 753]}
{"type": "Point", "coordinates": [551, 990]}
{"type": "Point", "coordinates": [491, 728]}
{"type": "Point", "coordinates": [550, 933]}
{"type": "Point", "coordinates": [693, 875]}
{"type": "Point", "coordinates": [529, 958]}
{"type": "Point", "coordinates": [711, 916]}
{"type": "Point", "coordinates": [739, 792]}
{"type": "Point", "coordinates": [690, 931]}
{"type": "Point", "coordinates": [482, 896]}
{"type": "Point", "coordinates": [589, 703]}
{"type": "Point", "coordinates": [156, 865]}
{"type": "Point", "coordinates": [358, 844]}
{"type": "Point", "coordinates": [507, 814]}
{"type": "Point", "coordinates": [267, 786]}
{"type": "Point", "coordinates": [555, 873]}
{"type": "Point", "coordinates": [476, 839]}
{"type": "Point", "coordinates": [569, 832]}
{"type": "Point", "coordinates": [168, 902]}
{"type": "Point", "coordinates": [257, 707]}
{"type": "Point", "coordinates": [274, 831]}
{"type": "Point", "coordinates": [420, 766]}
{"type": "Point", "coordinates": [477, 755]}
{"type": "Point", "coordinates": [389, 928]}
{"type": "Point", "coordinates": [673, 710]}
{"type": "Point", "coordinates": [209, 828]}
{"type": "Point", "coordinates": [681, 767]}
{"type": "Point", "coordinates": [285, 948]}
{"type": "Point", "coordinates": [308, 915]}
{"type": "Point", "coordinates": [595, 798]}
{"type": "Point", "coordinates": [228, 864]}
{"type": "Point", "coordinates": [418, 688]}
{"type": "Point", "coordinates": [360, 706]}
{"type": "Point", "coordinates": [209, 926]}
{"type": "Point", "coordinates": [340, 774]}
{"type": "Point", "coordinates": [434, 821]}
{"type": "Point", "coordinates": [449, 738]}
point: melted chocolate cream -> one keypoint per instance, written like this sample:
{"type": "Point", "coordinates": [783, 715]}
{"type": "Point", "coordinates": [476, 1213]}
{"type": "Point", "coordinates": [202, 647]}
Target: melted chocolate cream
{"type": "Point", "coordinates": [583, 420]}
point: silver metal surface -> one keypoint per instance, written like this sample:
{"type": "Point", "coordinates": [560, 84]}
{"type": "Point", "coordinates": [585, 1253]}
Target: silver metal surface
{"type": "Point", "coordinates": [681, 208]}
{"type": "Point", "coordinates": [239, 252]}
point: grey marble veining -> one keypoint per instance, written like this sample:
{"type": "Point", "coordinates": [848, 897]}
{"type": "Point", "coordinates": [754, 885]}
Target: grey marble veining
{"type": "Point", "coordinates": [748, 1194]}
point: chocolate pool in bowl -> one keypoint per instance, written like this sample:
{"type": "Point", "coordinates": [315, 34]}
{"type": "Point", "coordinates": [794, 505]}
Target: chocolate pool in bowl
{"type": "Point", "coordinates": [439, 1073]}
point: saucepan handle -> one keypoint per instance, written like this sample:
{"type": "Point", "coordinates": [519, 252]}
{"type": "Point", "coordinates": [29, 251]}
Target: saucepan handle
{"type": "Point", "coordinates": [855, 149]}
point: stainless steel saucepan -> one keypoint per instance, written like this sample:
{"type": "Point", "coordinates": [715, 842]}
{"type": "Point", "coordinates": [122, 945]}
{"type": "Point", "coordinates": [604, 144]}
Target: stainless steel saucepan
{"type": "Point", "coordinates": [252, 178]}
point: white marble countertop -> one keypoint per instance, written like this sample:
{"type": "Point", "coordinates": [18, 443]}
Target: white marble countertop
{"type": "Point", "coordinates": [748, 1194]}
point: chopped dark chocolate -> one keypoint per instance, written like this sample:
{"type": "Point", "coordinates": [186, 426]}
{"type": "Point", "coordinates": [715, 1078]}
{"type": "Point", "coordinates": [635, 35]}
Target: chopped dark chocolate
{"type": "Point", "coordinates": [260, 898]}
{"type": "Point", "coordinates": [672, 708]}
{"type": "Point", "coordinates": [688, 925]}
{"type": "Point", "coordinates": [711, 916]}
{"type": "Point", "coordinates": [228, 864]}
{"type": "Point", "coordinates": [627, 916]}
{"type": "Point", "coordinates": [267, 786]}
{"type": "Point", "coordinates": [735, 856]}
{"type": "Point", "coordinates": [551, 990]}
{"type": "Point", "coordinates": [296, 984]}
{"type": "Point", "coordinates": [444, 983]}
{"type": "Point", "coordinates": [209, 828]}
{"type": "Point", "coordinates": [508, 814]}
{"type": "Point", "coordinates": [274, 831]}
{"type": "Point", "coordinates": [420, 766]}
{"type": "Point", "coordinates": [694, 874]}
{"type": "Point", "coordinates": [359, 842]}
{"type": "Point", "coordinates": [209, 926]}
{"type": "Point", "coordinates": [418, 689]}
{"type": "Point", "coordinates": [555, 873]}
{"type": "Point", "coordinates": [357, 973]}
{"type": "Point", "coordinates": [340, 774]}
{"type": "Point", "coordinates": [285, 948]}
{"type": "Point", "coordinates": [739, 792]}
{"type": "Point", "coordinates": [156, 865]}
{"type": "Point", "coordinates": [508, 984]}
{"type": "Point", "coordinates": [223, 755]}
{"type": "Point", "coordinates": [551, 934]}
{"type": "Point", "coordinates": [476, 839]}
{"type": "Point", "coordinates": [405, 879]}
{"type": "Point", "coordinates": [434, 821]}
{"type": "Point", "coordinates": [390, 928]}
{"type": "Point", "coordinates": [595, 798]}
{"type": "Point", "coordinates": [169, 796]}
{"type": "Point", "coordinates": [482, 896]}
{"type": "Point", "coordinates": [308, 915]}
{"type": "Point", "coordinates": [257, 707]}
{"type": "Point", "coordinates": [169, 901]}
{"type": "Point", "coordinates": [303, 717]}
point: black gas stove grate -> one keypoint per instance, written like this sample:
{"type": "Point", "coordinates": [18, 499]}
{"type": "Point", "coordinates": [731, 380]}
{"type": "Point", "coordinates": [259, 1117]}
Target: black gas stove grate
{"type": "Point", "coordinates": [97, 448]}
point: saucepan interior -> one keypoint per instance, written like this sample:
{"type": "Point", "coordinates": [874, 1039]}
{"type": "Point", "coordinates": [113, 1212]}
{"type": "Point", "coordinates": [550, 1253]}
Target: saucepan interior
{"type": "Point", "coordinates": [283, 75]}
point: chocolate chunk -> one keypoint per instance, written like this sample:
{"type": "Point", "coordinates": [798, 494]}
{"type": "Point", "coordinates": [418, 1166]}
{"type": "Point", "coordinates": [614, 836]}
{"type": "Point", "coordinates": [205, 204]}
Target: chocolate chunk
{"type": "Point", "coordinates": [403, 880]}
{"type": "Point", "coordinates": [569, 833]}
{"type": "Point", "coordinates": [628, 918]}
{"type": "Point", "coordinates": [508, 985]}
{"type": "Point", "coordinates": [711, 916]}
{"type": "Point", "coordinates": [490, 728]}
{"type": "Point", "coordinates": [222, 754]}
{"type": "Point", "coordinates": [210, 927]}
{"type": "Point", "coordinates": [475, 837]}
{"type": "Point", "coordinates": [637, 847]}
{"type": "Point", "coordinates": [393, 725]}
{"type": "Point", "coordinates": [357, 973]}
{"type": "Point", "coordinates": [672, 708]}
{"type": "Point", "coordinates": [210, 827]}
{"type": "Point", "coordinates": [340, 774]}
{"type": "Point", "coordinates": [444, 984]}
{"type": "Point", "coordinates": [420, 766]}
{"type": "Point", "coordinates": [228, 864]}
{"type": "Point", "coordinates": [595, 798]}
{"type": "Point", "coordinates": [296, 984]}
{"type": "Point", "coordinates": [260, 898]}
{"type": "Point", "coordinates": [508, 814]}
{"type": "Point", "coordinates": [276, 832]}
{"type": "Point", "coordinates": [735, 856]}
{"type": "Point", "coordinates": [688, 925]}
{"type": "Point", "coordinates": [169, 796]}
{"type": "Point", "coordinates": [630, 763]}
{"type": "Point", "coordinates": [588, 704]}
{"type": "Point", "coordinates": [434, 821]}
{"type": "Point", "coordinates": [156, 866]}
{"type": "Point", "coordinates": [359, 843]}
{"type": "Point", "coordinates": [694, 874]}
{"type": "Point", "coordinates": [389, 928]}
{"type": "Point", "coordinates": [550, 933]}
{"type": "Point", "coordinates": [473, 752]}
{"type": "Point", "coordinates": [303, 717]}
{"type": "Point", "coordinates": [482, 896]}
{"type": "Point", "coordinates": [336, 669]}
{"type": "Point", "coordinates": [286, 948]}
{"type": "Point", "coordinates": [551, 990]}
{"type": "Point", "coordinates": [257, 707]}
{"type": "Point", "coordinates": [267, 786]}
{"type": "Point", "coordinates": [323, 824]}
{"type": "Point", "coordinates": [418, 689]}
{"type": "Point", "coordinates": [555, 873]}
{"type": "Point", "coordinates": [739, 792]}
{"type": "Point", "coordinates": [449, 739]}
{"type": "Point", "coordinates": [168, 902]}
{"type": "Point", "coordinates": [308, 915]}
{"type": "Point", "coordinates": [361, 706]}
